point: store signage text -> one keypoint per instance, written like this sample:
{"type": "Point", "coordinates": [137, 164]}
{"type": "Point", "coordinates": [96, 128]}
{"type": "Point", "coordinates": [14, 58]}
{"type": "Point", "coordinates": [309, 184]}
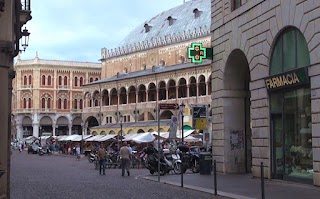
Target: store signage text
{"type": "Point", "coordinates": [284, 80]}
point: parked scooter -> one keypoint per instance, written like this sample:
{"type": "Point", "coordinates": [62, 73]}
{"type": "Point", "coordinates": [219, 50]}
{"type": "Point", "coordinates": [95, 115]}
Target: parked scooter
{"type": "Point", "coordinates": [151, 161]}
{"type": "Point", "coordinates": [173, 161]}
{"type": "Point", "coordinates": [91, 157]}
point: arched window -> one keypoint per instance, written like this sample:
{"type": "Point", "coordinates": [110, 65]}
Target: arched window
{"type": "Point", "coordinates": [91, 79]}
{"type": "Point", "coordinates": [49, 103]}
{"type": "Point", "coordinates": [76, 81]}
{"type": "Point", "coordinates": [30, 80]}
{"type": "Point", "coordinates": [25, 81]}
{"type": "Point", "coordinates": [65, 104]}
{"type": "Point", "coordinates": [290, 52]}
{"type": "Point", "coordinates": [29, 104]}
{"type": "Point", "coordinates": [81, 81]}
{"type": "Point", "coordinates": [81, 104]}
{"type": "Point", "coordinates": [43, 103]}
{"type": "Point", "coordinates": [75, 105]}
{"type": "Point", "coordinates": [43, 80]}
{"type": "Point", "coordinates": [49, 80]}
{"type": "Point", "coordinates": [60, 80]}
{"type": "Point", "coordinates": [24, 103]}
{"type": "Point", "coordinates": [65, 81]}
{"type": "Point", "coordinates": [96, 79]}
{"type": "Point", "coordinates": [59, 103]}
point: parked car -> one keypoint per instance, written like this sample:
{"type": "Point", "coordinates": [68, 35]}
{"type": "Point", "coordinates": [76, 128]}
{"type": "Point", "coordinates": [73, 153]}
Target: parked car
{"type": "Point", "coordinates": [33, 149]}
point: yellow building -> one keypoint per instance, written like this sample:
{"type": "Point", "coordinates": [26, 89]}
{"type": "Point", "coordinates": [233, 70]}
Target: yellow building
{"type": "Point", "coordinates": [150, 68]}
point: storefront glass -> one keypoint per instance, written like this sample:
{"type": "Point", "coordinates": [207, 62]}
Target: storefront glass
{"type": "Point", "coordinates": [291, 124]}
{"type": "Point", "coordinates": [291, 111]}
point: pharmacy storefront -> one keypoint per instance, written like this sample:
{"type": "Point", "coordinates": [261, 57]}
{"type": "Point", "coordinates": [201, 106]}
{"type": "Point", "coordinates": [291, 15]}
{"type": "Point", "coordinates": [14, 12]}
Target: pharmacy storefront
{"type": "Point", "coordinates": [290, 108]}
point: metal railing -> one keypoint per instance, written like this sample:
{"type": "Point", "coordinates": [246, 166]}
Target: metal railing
{"type": "Point", "coordinates": [26, 5]}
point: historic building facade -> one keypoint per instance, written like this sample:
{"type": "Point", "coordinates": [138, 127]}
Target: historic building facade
{"type": "Point", "coordinates": [149, 68]}
{"type": "Point", "coordinates": [265, 76]}
{"type": "Point", "coordinates": [48, 97]}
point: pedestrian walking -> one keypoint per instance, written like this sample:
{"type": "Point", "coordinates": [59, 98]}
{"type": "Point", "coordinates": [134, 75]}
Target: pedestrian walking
{"type": "Point", "coordinates": [125, 158]}
{"type": "Point", "coordinates": [78, 152]}
{"type": "Point", "coordinates": [102, 157]}
{"type": "Point", "coordinates": [20, 147]}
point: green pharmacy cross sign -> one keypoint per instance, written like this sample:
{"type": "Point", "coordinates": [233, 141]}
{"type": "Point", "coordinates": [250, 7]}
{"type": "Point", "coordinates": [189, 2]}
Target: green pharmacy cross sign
{"type": "Point", "coordinates": [197, 53]}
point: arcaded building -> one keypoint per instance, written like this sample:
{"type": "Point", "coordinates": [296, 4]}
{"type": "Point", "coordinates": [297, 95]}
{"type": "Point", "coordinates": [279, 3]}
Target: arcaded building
{"type": "Point", "coordinates": [265, 83]}
{"type": "Point", "coordinates": [48, 96]}
{"type": "Point", "coordinates": [150, 67]}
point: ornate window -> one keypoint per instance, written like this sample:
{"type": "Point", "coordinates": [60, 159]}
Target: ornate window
{"type": "Point", "coordinates": [49, 80]}
{"type": "Point", "coordinates": [25, 81]}
{"type": "Point", "coordinates": [49, 103]}
{"type": "Point", "coordinates": [75, 104]}
{"type": "Point", "coordinates": [43, 80]}
{"type": "Point", "coordinates": [59, 103]}
{"type": "Point", "coordinates": [65, 104]}
{"type": "Point", "coordinates": [60, 80]}
{"type": "Point", "coordinates": [81, 104]}
{"type": "Point", "coordinates": [91, 79]}
{"type": "Point", "coordinates": [76, 81]}
{"type": "Point", "coordinates": [81, 81]}
{"type": "Point", "coordinates": [43, 103]}
{"type": "Point", "coordinates": [30, 80]}
{"type": "Point", "coordinates": [29, 103]}
{"type": "Point", "coordinates": [65, 81]}
{"type": "Point", "coordinates": [96, 79]}
{"type": "Point", "coordinates": [24, 103]}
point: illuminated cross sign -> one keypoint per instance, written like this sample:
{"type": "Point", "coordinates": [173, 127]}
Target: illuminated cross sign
{"type": "Point", "coordinates": [197, 53]}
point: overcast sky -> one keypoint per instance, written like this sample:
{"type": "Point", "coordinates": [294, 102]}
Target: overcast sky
{"type": "Point", "coordinates": [76, 30]}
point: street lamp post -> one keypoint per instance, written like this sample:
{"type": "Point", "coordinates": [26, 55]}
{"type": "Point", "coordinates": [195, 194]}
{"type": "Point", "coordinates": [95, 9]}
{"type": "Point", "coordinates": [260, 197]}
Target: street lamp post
{"type": "Point", "coordinates": [40, 132]}
{"type": "Point", "coordinates": [121, 120]}
{"type": "Point", "coordinates": [182, 107]}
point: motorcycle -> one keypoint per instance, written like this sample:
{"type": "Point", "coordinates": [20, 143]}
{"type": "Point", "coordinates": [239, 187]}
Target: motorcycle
{"type": "Point", "coordinates": [43, 151]}
{"type": "Point", "coordinates": [173, 161]}
{"type": "Point", "coordinates": [91, 157]}
{"type": "Point", "coordinates": [151, 161]}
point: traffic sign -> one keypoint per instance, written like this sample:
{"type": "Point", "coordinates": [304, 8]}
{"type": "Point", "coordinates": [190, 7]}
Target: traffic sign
{"type": "Point", "coordinates": [168, 106]}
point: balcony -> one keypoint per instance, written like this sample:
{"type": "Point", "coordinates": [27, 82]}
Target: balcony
{"type": "Point", "coordinates": [63, 87]}
{"type": "Point", "coordinates": [47, 110]}
{"type": "Point", "coordinates": [25, 13]}
{"type": "Point", "coordinates": [24, 87]}
{"type": "Point", "coordinates": [23, 110]}
{"type": "Point", "coordinates": [76, 110]}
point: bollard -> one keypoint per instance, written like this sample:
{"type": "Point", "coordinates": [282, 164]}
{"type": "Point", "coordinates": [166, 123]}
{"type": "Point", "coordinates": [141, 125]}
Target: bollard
{"type": "Point", "coordinates": [182, 167]}
{"type": "Point", "coordinates": [215, 177]}
{"type": "Point", "coordinates": [262, 181]}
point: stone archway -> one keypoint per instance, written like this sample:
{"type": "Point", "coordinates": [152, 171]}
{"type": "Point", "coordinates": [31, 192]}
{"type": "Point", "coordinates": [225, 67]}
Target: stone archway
{"type": "Point", "coordinates": [62, 126]}
{"type": "Point", "coordinates": [166, 115]}
{"type": "Point", "coordinates": [91, 122]}
{"type": "Point", "coordinates": [45, 126]}
{"type": "Point", "coordinates": [236, 107]}
{"type": "Point", "coordinates": [76, 125]}
{"type": "Point", "coordinates": [27, 129]}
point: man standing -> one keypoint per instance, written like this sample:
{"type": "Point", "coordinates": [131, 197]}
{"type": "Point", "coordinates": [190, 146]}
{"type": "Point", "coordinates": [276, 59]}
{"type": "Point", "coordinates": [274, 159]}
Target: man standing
{"type": "Point", "coordinates": [125, 158]}
{"type": "Point", "coordinates": [78, 152]}
{"type": "Point", "coordinates": [102, 156]}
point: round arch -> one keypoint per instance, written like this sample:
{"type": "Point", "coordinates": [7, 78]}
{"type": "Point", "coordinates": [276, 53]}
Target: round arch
{"type": "Point", "coordinates": [62, 121]}
{"type": "Point", "coordinates": [162, 90]}
{"type": "Point", "coordinates": [94, 133]}
{"type": "Point", "coordinates": [167, 114]}
{"type": "Point", "coordinates": [152, 92]}
{"type": "Point", "coordinates": [123, 95]}
{"type": "Point", "coordinates": [105, 97]}
{"type": "Point", "coordinates": [140, 131]}
{"type": "Point", "coordinates": [130, 131]}
{"type": "Point", "coordinates": [112, 132]}
{"type": "Point", "coordinates": [182, 88]}
{"type": "Point", "coordinates": [171, 89]}
{"type": "Point", "coordinates": [142, 93]}
{"type": "Point", "coordinates": [114, 96]}
{"type": "Point", "coordinates": [192, 86]}
{"type": "Point", "coordinates": [150, 130]}
{"type": "Point", "coordinates": [26, 121]}
{"type": "Point", "coordinates": [103, 133]}
{"type": "Point", "coordinates": [132, 94]}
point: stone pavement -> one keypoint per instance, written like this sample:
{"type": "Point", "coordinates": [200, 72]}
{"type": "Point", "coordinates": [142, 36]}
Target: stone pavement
{"type": "Point", "coordinates": [242, 186]}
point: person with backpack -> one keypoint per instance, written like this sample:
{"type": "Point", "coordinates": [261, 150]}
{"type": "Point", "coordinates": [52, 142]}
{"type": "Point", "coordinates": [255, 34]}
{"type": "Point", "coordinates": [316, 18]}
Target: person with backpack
{"type": "Point", "coordinates": [102, 157]}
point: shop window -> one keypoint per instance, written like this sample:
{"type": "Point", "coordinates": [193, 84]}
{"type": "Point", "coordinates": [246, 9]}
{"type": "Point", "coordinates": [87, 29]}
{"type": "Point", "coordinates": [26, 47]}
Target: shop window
{"type": "Point", "coordinates": [49, 80]}
{"type": "Point", "coordinates": [43, 80]}
{"type": "Point", "coordinates": [235, 4]}
{"type": "Point", "coordinates": [290, 52]}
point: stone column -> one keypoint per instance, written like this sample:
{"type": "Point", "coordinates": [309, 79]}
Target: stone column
{"type": "Point", "coordinates": [197, 90]}
{"type": "Point", "coordinates": [35, 127]}
{"type": "Point", "coordinates": [70, 129]}
{"type": "Point", "coordinates": [207, 88]}
{"type": "Point", "coordinates": [147, 96]}
{"type": "Point", "coordinates": [127, 97]}
{"type": "Point", "coordinates": [19, 131]}
{"type": "Point", "coordinates": [137, 96]}
{"type": "Point", "coordinates": [53, 130]}
{"type": "Point", "coordinates": [177, 92]}
{"type": "Point", "coordinates": [188, 87]}
{"type": "Point", "coordinates": [167, 94]}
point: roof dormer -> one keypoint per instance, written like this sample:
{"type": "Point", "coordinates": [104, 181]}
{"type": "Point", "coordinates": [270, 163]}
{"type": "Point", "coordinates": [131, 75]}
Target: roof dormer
{"type": "Point", "coordinates": [171, 20]}
{"type": "Point", "coordinates": [147, 27]}
{"type": "Point", "coordinates": [197, 13]}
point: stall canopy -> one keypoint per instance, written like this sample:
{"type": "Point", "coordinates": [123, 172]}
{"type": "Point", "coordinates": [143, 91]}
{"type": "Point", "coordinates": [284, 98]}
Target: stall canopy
{"type": "Point", "coordinates": [190, 138]}
{"type": "Point", "coordinates": [69, 138]}
{"type": "Point", "coordinates": [61, 137]}
{"type": "Point", "coordinates": [105, 138]}
{"type": "Point", "coordinates": [129, 137]}
{"type": "Point", "coordinates": [94, 138]}
{"type": "Point", "coordinates": [165, 135]}
{"type": "Point", "coordinates": [144, 138]}
{"type": "Point", "coordinates": [79, 138]}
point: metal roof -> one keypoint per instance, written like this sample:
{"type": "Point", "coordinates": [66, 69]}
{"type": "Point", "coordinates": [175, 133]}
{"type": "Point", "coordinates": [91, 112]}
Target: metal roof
{"type": "Point", "coordinates": [184, 22]}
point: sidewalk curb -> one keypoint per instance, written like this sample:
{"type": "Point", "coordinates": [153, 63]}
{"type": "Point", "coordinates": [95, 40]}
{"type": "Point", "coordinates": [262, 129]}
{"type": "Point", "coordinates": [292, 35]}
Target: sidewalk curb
{"type": "Point", "coordinates": [211, 191]}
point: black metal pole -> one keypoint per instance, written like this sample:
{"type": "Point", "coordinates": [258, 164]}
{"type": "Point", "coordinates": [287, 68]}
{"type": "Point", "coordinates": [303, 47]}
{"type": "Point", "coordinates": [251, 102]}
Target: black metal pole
{"type": "Point", "coordinates": [158, 143]}
{"type": "Point", "coordinates": [121, 132]}
{"type": "Point", "coordinates": [262, 182]}
{"type": "Point", "coordinates": [182, 140]}
{"type": "Point", "coordinates": [215, 177]}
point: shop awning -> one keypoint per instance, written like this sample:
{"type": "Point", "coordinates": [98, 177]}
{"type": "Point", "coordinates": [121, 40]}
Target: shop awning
{"type": "Point", "coordinates": [78, 139]}
{"type": "Point", "coordinates": [190, 138]}
{"type": "Point", "coordinates": [165, 135]}
{"type": "Point", "coordinates": [129, 137]}
{"type": "Point", "coordinates": [69, 138]}
{"type": "Point", "coordinates": [94, 138]}
{"type": "Point", "coordinates": [105, 138]}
